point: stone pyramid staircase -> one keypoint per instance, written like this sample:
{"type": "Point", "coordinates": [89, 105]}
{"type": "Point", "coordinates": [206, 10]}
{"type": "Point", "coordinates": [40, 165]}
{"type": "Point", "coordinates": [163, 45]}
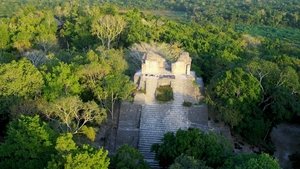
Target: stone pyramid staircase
{"type": "Point", "coordinates": [158, 119]}
{"type": "Point", "coordinates": [151, 131]}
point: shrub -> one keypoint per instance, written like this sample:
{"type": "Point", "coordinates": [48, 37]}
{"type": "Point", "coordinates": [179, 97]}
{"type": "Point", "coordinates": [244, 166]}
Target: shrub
{"type": "Point", "coordinates": [164, 93]}
{"type": "Point", "coordinates": [188, 162]}
{"type": "Point", "coordinates": [251, 161]}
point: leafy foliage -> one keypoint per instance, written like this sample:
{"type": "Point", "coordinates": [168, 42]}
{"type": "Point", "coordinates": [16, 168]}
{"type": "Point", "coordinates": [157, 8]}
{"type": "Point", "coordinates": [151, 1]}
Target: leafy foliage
{"type": "Point", "coordinates": [89, 132]}
{"type": "Point", "coordinates": [246, 52]}
{"type": "Point", "coordinates": [112, 88]}
{"type": "Point", "coordinates": [76, 25]}
{"type": "Point", "coordinates": [210, 147]}
{"type": "Point", "coordinates": [234, 94]}
{"type": "Point", "coordinates": [135, 30]}
{"type": "Point", "coordinates": [28, 144]}
{"type": "Point", "coordinates": [61, 81]}
{"type": "Point", "coordinates": [188, 162]}
{"type": "Point", "coordinates": [20, 78]}
{"type": "Point", "coordinates": [72, 114]}
{"type": "Point", "coordinates": [33, 28]}
{"type": "Point", "coordinates": [231, 11]}
{"type": "Point", "coordinates": [129, 158]}
{"type": "Point", "coordinates": [4, 34]}
{"type": "Point", "coordinates": [71, 156]}
{"type": "Point", "coordinates": [251, 161]}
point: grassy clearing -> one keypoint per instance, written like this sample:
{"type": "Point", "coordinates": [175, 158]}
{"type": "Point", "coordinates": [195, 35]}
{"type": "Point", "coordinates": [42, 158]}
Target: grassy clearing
{"type": "Point", "coordinates": [169, 14]}
{"type": "Point", "coordinates": [173, 15]}
{"type": "Point", "coordinates": [289, 35]}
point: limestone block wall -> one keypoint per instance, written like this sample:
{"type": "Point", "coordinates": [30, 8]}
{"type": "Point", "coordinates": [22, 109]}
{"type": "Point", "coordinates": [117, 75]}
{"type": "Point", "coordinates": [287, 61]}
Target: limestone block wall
{"type": "Point", "coordinates": [150, 67]}
{"type": "Point", "coordinates": [180, 68]}
{"type": "Point", "coordinates": [183, 65]}
{"type": "Point", "coordinates": [164, 82]}
{"type": "Point", "coordinates": [161, 63]}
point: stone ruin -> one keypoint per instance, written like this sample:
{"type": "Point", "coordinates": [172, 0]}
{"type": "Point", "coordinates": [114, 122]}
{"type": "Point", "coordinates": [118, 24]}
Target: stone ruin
{"type": "Point", "coordinates": [156, 66]}
{"type": "Point", "coordinates": [145, 121]}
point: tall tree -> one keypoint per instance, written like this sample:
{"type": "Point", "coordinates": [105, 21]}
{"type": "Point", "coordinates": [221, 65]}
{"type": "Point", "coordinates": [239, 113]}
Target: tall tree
{"type": "Point", "coordinates": [90, 74]}
{"type": "Point", "coordinates": [20, 78]}
{"type": "Point", "coordinates": [76, 19]}
{"type": "Point", "coordinates": [33, 28]}
{"type": "Point", "coordinates": [128, 158]}
{"type": "Point", "coordinates": [279, 83]}
{"type": "Point", "coordinates": [115, 59]}
{"type": "Point", "coordinates": [107, 28]}
{"type": "Point", "coordinates": [28, 144]}
{"type": "Point", "coordinates": [70, 156]}
{"type": "Point", "coordinates": [71, 114]}
{"type": "Point", "coordinates": [234, 94]}
{"type": "Point", "coordinates": [135, 31]}
{"type": "Point", "coordinates": [61, 81]}
{"type": "Point", "coordinates": [112, 88]}
{"type": "Point", "coordinates": [209, 147]}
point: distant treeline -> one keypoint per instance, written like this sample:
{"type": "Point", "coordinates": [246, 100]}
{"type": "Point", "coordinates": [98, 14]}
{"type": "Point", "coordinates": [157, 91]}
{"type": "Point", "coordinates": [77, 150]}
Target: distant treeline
{"type": "Point", "coordinates": [266, 12]}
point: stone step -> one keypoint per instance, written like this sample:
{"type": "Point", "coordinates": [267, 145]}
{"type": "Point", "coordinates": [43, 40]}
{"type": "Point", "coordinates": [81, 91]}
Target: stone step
{"type": "Point", "coordinates": [156, 120]}
{"type": "Point", "coordinates": [156, 114]}
{"type": "Point", "coordinates": [155, 132]}
{"type": "Point", "coordinates": [175, 111]}
{"type": "Point", "coordinates": [154, 164]}
{"type": "Point", "coordinates": [145, 143]}
{"type": "Point", "coordinates": [149, 156]}
{"type": "Point", "coordinates": [151, 137]}
{"type": "Point", "coordinates": [146, 151]}
{"type": "Point", "coordinates": [145, 140]}
{"type": "Point", "coordinates": [146, 146]}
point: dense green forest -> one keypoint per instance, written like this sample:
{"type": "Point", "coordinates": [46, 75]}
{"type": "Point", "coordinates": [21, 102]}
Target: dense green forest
{"type": "Point", "coordinates": [65, 65]}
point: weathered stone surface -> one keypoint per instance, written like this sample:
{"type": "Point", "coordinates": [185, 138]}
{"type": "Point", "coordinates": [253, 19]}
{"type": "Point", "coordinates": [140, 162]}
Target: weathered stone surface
{"type": "Point", "coordinates": [183, 65]}
{"type": "Point", "coordinates": [129, 124]}
{"type": "Point", "coordinates": [153, 64]}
